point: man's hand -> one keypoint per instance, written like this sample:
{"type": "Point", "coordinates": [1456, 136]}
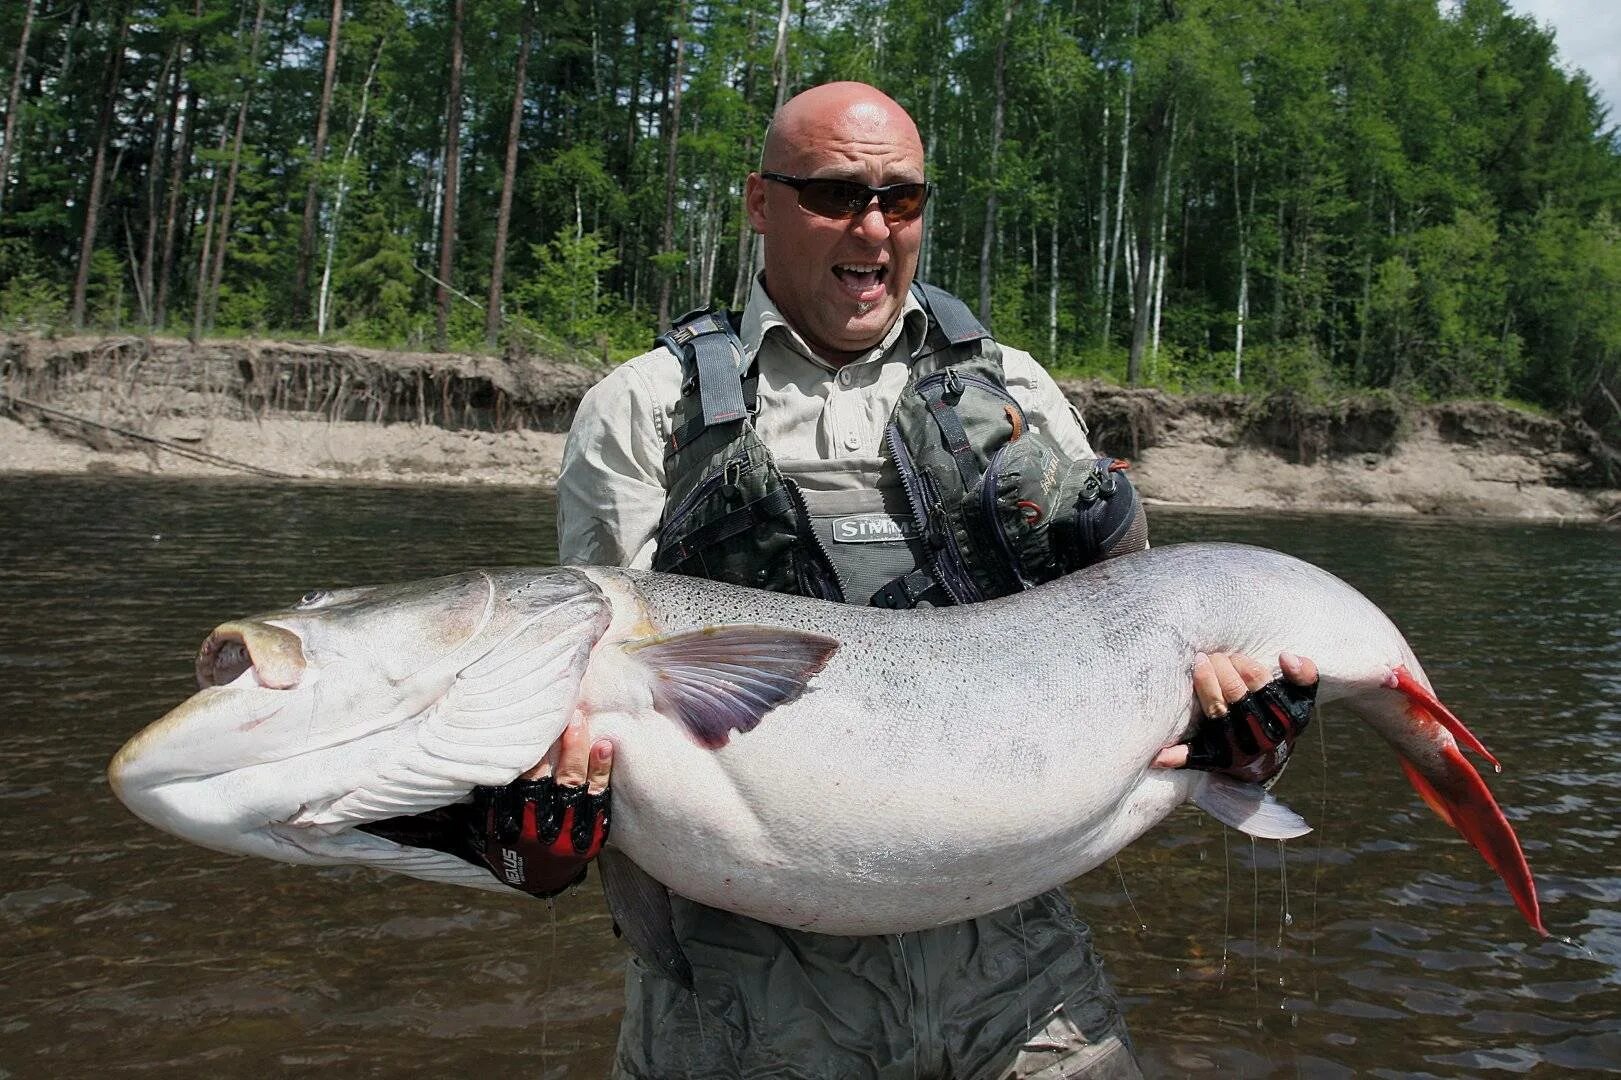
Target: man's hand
{"type": "Point", "coordinates": [542, 829]}
{"type": "Point", "coordinates": [1250, 722]}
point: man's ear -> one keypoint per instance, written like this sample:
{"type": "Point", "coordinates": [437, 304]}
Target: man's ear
{"type": "Point", "coordinates": [754, 201]}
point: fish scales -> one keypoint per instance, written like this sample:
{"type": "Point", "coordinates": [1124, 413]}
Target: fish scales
{"type": "Point", "coordinates": [835, 768]}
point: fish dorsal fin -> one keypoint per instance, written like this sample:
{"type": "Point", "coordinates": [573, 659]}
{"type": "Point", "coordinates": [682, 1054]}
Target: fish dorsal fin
{"type": "Point", "coordinates": [719, 679]}
{"type": "Point", "coordinates": [642, 915]}
{"type": "Point", "coordinates": [1247, 808]}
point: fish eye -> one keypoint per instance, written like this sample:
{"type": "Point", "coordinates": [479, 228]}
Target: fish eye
{"type": "Point", "coordinates": [314, 597]}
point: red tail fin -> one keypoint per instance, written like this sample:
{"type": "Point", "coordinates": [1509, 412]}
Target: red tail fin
{"type": "Point", "coordinates": [1455, 791]}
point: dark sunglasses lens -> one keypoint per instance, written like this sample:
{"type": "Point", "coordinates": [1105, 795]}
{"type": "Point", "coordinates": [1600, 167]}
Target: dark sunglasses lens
{"type": "Point", "coordinates": [903, 202]}
{"type": "Point", "coordinates": [844, 199]}
{"type": "Point", "coordinates": [834, 198]}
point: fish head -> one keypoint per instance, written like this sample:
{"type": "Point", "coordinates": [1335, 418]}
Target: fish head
{"type": "Point", "coordinates": [357, 706]}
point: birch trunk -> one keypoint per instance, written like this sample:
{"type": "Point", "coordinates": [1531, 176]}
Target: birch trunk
{"type": "Point", "coordinates": [988, 237]}
{"type": "Point", "coordinates": [1243, 274]}
{"type": "Point", "coordinates": [205, 257]}
{"type": "Point", "coordinates": [1099, 280]}
{"type": "Point", "coordinates": [323, 305]}
{"type": "Point", "coordinates": [503, 217]}
{"type": "Point", "coordinates": [312, 189]}
{"type": "Point", "coordinates": [12, 99]}
{"type": "Point", "coordinates": [218, 273]}
{"type": "Point", "coordinates": [162, 146]}
{"type": "Point", "coordinates": [452, 175]}
{"type": "Point", "coordinates": [1158, 267]}
{"type": "Point", "coordinates": [92, 207]}
{"type": "Point", "coordinates": [667, 233]}
{"type": "Point", "coordinates": [1120, 189]}
{"type": "Point", "coordinates": [744, 231]}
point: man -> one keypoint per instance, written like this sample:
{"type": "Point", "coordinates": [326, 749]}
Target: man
{"type": "Point", "coordinates": [831, 339]}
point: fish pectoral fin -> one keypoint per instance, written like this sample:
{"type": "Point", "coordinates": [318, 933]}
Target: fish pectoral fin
{"type": "Point", "coordinates": [1247, 808]}
{"type": "Point", "coordinates": [721, 679]}
{"type": "Point", "coordinates": [640, 906]}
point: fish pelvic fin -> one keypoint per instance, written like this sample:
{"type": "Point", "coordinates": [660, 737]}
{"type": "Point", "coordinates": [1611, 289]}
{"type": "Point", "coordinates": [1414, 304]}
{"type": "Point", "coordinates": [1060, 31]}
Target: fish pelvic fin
{"type": "Point", "coordinates": [643, 916]}
{"type": "Point", "coordinates": [1451, 786]}
{"type": "Point", "coordinates": [719, 679]}
{"type": "Point", "coordinates": [1247, 808]}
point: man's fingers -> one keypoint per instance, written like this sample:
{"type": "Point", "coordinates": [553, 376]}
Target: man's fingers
{"type": "Point", "coordinates": [1172, 757]}
{"type": "Point", "coordinates": [542, 768]}
{"type": "Point", "coordinates": [602, 763]}
{"type": "Point", "coordinates": [1253, 675]}
{"type": "Point", "coordinates": [1230, 685]}
{"type": "Point", "coordinates": [573, 751]}
{"type": "Point", "coordinates": [1207, 686]}
{"type": "Point", "coordinates": [1299, 670]}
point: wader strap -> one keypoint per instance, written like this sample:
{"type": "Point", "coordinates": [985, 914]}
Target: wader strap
{"type": "Point", "coordinates": [910, 590]}
{"type": "Point", "coordinates": [948, 313]}
{"type": "Point", "coordinates": [711, 337]}
{"type": "Point", "coordinates": [777, 501]}
{"type": "Point", "coordinates": [689, 431]}
{"type": "Point", "coordinates": [954, 434]}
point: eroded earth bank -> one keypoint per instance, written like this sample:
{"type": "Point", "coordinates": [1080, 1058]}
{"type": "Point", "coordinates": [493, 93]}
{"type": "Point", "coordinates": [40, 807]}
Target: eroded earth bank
{"type": "Point", "coordinates": [133, 405]}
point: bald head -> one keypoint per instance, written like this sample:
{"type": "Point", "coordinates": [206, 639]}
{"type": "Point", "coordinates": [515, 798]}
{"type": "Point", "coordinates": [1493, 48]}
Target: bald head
{"type": "Point", "coordinates": [838, 111]}
{"type": "Point", "coordinates": [839, 278]}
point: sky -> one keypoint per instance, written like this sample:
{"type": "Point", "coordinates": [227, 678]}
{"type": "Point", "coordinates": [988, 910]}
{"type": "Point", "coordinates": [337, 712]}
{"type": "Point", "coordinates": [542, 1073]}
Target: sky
{"type": "Point", "coordinates": [1588, 34]}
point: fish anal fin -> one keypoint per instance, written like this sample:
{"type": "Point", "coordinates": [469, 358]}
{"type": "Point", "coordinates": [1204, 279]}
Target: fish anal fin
{"type": "Point", "coordinates": [640, 906]}
{"type": "Point", "coordinates": [1425, 705]}
{"type": "Point", "coordinates": [1247, 808]}
{"type": "Point", "coordinates": [719, 679]}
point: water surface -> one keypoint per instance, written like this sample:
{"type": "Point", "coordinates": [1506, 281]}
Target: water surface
{"type": "Point", "coordinates": [1380, 945]}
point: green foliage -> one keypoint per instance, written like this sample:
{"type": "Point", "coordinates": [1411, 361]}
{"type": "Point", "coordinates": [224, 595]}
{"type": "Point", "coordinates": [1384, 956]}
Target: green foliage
{"type": "Point", "coordinates": [30, 301]}
{"type": "Point", "coordinates": [1406, 194]}
{"type": "Point", "coordinates": [565, 294]}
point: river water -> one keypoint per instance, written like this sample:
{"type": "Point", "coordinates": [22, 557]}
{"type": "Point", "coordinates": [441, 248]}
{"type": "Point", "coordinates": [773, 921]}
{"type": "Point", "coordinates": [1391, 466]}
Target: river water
{"type": "Point", "coordinates": [1379, 945]}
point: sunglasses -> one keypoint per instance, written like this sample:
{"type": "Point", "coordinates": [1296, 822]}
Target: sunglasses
{"type": "Point", "coordinates": [845, 199]}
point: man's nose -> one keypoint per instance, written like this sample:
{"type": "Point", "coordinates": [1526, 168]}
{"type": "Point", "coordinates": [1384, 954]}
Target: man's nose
{"type": "Point", "coordinates": [870, 224]}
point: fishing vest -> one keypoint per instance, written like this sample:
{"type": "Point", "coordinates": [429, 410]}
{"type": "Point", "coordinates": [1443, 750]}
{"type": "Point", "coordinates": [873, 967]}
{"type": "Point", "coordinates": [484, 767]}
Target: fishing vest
{"type": "Point", "coordinates": [985, 507]}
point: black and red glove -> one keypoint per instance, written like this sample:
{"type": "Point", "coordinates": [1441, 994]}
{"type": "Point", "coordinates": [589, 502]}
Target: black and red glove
{"type": "Point", "coordinates": [1252, 742]}
{"type": "Point", "coordinates": [538, 835]}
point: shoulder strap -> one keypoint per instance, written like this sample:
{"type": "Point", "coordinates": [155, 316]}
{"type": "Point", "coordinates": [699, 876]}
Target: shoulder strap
{"type": "Point", "coordinates": [708, 342]}
{"type": "Point", "coordinates": [949, 314]}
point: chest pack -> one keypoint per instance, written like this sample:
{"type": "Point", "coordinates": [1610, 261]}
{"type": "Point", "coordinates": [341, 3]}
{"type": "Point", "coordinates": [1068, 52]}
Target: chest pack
{"type": "Point", "coordinates": [995, 507]}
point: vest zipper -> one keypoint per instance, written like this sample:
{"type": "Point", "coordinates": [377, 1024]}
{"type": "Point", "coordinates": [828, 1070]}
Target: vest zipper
{"type": "Point", "coordinates": [930, 516]}
{"type": "Point", "coordinates": [989, 493]}
{"type": "Point", "coordinates": [951, 374]}
{"type": "Point", "coordinates": [807, 524]}
{"type": "Point", "coordinates": [684, 507]}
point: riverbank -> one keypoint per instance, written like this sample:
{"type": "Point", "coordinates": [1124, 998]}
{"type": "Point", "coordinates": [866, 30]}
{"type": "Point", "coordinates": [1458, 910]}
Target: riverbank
{"type": "Point", "coordinates": [164, 407]}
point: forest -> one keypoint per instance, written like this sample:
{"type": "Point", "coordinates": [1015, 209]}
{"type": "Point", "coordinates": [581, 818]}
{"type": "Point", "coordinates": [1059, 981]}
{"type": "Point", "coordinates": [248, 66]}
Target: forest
{"type": "Point", "coordinates": [1327, 195]}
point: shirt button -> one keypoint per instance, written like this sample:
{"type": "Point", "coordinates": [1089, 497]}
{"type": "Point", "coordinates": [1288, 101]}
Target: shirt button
{"type": "Point", "coordinates": [846, 376]}
{"type": "Point", "coordinates": [852, 441]}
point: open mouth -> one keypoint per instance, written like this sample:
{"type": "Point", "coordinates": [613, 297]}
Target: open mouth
{"type": "Point", "coordinates": [271, 656]}
{"type": "Point", "coordinates": [862, 281]}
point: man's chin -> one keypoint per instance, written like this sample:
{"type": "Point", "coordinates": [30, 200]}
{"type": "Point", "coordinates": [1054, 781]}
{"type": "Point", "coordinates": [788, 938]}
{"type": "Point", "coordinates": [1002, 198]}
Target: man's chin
{"type": "Point", "coordinates": [867, 324]}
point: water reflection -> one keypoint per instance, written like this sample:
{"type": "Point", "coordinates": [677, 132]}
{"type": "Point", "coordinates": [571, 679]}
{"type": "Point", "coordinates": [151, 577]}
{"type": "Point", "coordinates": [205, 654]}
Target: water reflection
{"type": "Point", "coordinates": [1379, 945]}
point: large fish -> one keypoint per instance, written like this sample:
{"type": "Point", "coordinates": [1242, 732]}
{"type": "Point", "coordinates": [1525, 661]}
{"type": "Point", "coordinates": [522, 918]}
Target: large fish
{"type": "Point", "coordinates": [833, 768]}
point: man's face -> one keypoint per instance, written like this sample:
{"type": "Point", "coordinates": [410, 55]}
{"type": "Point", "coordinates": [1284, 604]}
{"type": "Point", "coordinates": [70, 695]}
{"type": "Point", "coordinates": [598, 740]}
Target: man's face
{"type": "Point", "coordinates": [841, 283]}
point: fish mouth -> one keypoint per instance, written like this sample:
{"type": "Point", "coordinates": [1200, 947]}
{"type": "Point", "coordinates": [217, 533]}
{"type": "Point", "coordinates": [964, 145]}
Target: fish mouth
{"type": "Point", "coordinates": [272, 655]}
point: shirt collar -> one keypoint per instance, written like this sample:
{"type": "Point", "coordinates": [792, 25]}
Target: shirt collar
{"type": "Point", "coordinates": [761, 316]}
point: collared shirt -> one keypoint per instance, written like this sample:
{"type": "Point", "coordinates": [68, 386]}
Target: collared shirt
{"type": "Point", "coordinates": [816, 419]}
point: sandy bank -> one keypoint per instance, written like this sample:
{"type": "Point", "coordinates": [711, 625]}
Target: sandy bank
{"type": "Point", "coordinates": [352, 414]}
